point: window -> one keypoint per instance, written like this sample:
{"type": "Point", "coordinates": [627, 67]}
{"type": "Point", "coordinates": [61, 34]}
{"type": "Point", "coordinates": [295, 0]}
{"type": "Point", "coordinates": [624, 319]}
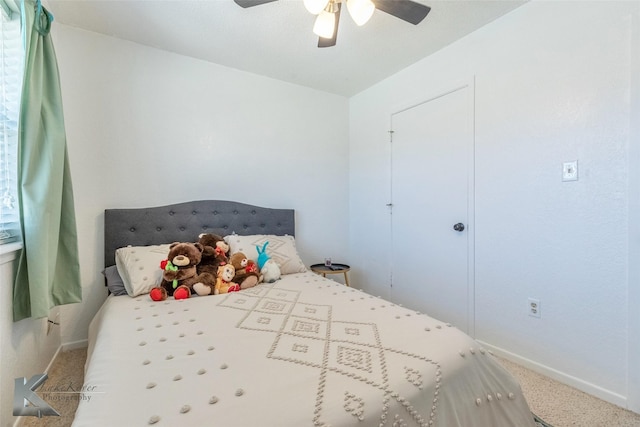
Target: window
{"type": "Point", "coordinates": [11, 69]}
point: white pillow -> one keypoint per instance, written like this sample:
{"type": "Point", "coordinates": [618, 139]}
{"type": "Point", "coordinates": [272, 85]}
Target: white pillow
{"type": "Point", "coordinates": [139, 267]}
{"type": "Point", "coordinates": [282, 249]}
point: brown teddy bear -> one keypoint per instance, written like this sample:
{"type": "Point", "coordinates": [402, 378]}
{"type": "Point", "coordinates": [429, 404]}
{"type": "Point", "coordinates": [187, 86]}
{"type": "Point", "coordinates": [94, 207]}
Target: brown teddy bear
{"type": "Point", "coordinates": [180, 272]}
{"type": "Point", "coordinates": [247, 273]}
{"type": "Point", "coordinates": [215, 253]}
{"type": "Point", "coordinates": [224, 281]}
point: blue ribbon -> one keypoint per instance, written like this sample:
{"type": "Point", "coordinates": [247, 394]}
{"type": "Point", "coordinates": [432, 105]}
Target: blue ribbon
{"type": "Point", "coordinates": [43, 20]}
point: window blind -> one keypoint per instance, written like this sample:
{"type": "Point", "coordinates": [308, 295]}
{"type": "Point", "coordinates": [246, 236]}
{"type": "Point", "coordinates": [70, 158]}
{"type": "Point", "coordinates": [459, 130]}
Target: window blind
{"type": "Point", "coordinates": [11, 70]}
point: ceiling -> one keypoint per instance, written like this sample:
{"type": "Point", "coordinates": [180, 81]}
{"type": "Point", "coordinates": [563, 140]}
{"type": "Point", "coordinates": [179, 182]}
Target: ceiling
{"type": "Point", "coordinates": [276, 39]}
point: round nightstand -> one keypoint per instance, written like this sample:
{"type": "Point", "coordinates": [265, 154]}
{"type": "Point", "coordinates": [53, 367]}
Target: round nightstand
{"type": "Point", "coordinates": [332, 269]}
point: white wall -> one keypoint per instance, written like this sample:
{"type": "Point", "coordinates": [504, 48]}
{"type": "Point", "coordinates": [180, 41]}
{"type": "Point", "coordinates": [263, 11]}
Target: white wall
{"type": "Point", "coordinates": [634, 225]}
{"type": "Point", "coordinates": [25, 347]}
{"type": "Point", "coordinates": [555, 81]}
{"type": "Point", "coordinates": [146, 127]}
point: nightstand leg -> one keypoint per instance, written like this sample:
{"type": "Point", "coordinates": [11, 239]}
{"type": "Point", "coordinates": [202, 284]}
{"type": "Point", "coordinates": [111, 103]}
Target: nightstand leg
{"type": "Point", "coordinates": [346, 279]}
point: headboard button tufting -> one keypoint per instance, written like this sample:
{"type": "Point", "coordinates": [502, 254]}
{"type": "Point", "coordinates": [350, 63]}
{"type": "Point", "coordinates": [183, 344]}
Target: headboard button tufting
{"type": "Point", "coordinates": [156, 225]}
{"type": "Point", "coordinates": [194, 212]}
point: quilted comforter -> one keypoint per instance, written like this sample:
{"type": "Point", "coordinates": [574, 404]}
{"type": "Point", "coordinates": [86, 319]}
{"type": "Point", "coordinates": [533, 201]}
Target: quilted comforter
{"type": "Point", "coordinates": [305, 351]}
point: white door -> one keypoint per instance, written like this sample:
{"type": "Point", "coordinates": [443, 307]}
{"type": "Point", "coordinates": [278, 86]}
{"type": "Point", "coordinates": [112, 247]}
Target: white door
{"type": "Point", "coordinates": [432, 207]}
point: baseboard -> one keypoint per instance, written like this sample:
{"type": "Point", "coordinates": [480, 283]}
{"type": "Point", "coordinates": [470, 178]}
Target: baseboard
{"type": "Point", "coordinates": [53, 359]}
{"type": "Point", "coordinates": [18, 421]}
{"type": "Point", "coordinates": [68, 346]}
{"type": "Point", "coordinates": [63, 347]}
{"type": "Point", "coordinates": [577, 383]}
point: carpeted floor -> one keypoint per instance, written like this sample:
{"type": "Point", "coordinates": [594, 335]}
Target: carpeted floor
{"type": "Point", "coordinates": [557, 404]}
{"type": "Point", "coordinates": [540, 422]}
{"type": "Point", "coordinates": [563, 406]}
{"type": "Point", "coordinates": [66, 374]}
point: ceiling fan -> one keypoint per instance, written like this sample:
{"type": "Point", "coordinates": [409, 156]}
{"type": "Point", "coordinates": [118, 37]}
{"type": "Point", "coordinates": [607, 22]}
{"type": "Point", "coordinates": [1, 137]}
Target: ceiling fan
{"type": "Point", "coordinates": [328, 12]}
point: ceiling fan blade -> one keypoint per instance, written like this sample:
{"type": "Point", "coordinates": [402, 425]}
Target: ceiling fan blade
{"type": "Point", "coordinates": [251, 3]}
{"type": "Point", "coordinates": [322, 42]}
{"type": "Point", "coordinates": [406, 10]}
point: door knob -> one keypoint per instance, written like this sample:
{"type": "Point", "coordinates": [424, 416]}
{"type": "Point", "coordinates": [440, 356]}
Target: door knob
{"type": "Point", "coordinates": [459, 227]}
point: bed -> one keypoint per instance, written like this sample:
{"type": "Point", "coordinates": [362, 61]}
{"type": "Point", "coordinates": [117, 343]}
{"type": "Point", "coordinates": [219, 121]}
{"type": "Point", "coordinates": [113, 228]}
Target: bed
{"type": "Point", "coordinates": [303, 351]}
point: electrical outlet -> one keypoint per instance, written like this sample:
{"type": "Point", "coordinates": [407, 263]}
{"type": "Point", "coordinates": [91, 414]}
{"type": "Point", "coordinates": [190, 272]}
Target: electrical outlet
{"type": "Point", "coordinates": [570, 171]}
{"type": "Point", "coordinates": [534, 307]}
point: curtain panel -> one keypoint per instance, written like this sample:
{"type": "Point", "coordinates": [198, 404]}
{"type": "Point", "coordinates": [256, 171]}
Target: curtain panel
{"type": "Point", "coordinates": [48, 272]}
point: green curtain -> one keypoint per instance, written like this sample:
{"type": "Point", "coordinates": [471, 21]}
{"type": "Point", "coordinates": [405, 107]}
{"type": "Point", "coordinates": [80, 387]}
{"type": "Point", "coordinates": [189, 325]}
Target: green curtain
{"type": "Point", "coordinates": [48, 271]}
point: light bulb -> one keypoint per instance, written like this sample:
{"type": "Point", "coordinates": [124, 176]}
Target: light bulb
{"type": "Point", "coordinates": [315, 6]}
{"type": "Point", "coordinates": [325, 25]}
{"type": "Point", "coordinates": [360, 10]}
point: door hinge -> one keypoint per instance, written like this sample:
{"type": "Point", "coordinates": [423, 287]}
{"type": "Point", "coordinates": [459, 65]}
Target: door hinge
{"type": "Point", "coordinates": [390, 135]}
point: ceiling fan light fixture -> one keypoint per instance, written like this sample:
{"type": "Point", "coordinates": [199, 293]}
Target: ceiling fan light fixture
{"type": "Point", "coordinates": [360, 10]}
{"type": "Point", "coordinates": [324, 25]}
{"type": "Point", "coordinates": [315, 7]}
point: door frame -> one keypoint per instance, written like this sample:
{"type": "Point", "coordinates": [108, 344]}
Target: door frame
{"type": "Point", "coordinates": [443, 90]}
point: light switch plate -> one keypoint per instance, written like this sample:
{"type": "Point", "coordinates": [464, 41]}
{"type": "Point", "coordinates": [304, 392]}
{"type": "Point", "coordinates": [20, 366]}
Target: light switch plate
{"type": "Point", "coordinates": [570, 171]}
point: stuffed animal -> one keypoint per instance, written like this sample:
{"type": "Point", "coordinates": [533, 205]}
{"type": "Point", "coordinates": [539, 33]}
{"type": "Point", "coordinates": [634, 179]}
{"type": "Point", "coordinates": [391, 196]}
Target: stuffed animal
{"type": "Point", "coordinates": [179, 273]}
{"type": "Point", "coordinates": [247, 273]}
{"type": "Point", "coordinates": [205, 285]}
{"type": "Point", "coordinates": [215, 253]}
{"type": "Point", "coordinates": [224, 281]}
{"type": "Point", "coordinates": [268, 267]}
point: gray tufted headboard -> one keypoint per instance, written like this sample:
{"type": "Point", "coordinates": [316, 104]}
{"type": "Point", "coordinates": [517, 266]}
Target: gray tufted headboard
{"type": "Point", "coordinates": [183, 222]}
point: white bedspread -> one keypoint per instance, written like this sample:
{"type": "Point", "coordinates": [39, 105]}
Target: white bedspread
{"type": "Point", "coordinates": [305, 351]}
